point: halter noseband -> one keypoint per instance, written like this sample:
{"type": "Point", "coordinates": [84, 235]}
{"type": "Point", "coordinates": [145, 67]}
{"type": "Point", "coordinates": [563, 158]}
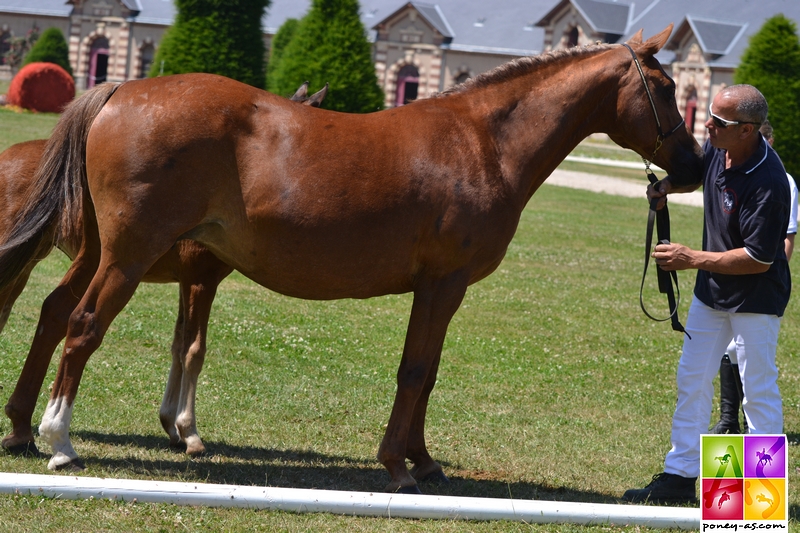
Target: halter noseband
{"type": "Point", "coordinates": [661, 135]}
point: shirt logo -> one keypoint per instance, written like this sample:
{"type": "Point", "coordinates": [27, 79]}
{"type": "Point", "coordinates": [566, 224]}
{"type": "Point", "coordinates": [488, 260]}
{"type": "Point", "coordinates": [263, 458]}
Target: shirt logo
{"type": "Point", "coordinates": [729, 201]}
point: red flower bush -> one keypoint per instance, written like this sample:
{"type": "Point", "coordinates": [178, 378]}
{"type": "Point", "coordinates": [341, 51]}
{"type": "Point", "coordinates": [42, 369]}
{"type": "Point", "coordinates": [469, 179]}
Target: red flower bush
{"type": "Point", "coordinates": [43, 87]}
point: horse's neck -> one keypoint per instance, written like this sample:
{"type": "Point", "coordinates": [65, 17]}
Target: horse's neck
{"type": "Point", "coordinates": [550, 112]}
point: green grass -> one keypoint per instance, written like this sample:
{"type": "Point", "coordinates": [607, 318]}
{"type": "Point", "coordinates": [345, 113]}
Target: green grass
{"type": "Point", "coordinates": [553, 385]}
{"type": "Point", "coordinates": [18, 125]}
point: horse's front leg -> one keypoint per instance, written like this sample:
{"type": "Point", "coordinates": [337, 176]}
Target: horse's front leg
{"type": "Point", "coordinates": [435, 303]}
{"type": "Point", "coordinates": [50, 330]}
{"type": "Point", "coordinates": [109, 291]}
{"type": "Point", "coordinates": [10, 294]}
{"type": "Point", "coordinates": [169, 404]}
{"type": "Point", "coordinates": [425, 468]}
{"type": "Point", "coordinates": [199, 281]}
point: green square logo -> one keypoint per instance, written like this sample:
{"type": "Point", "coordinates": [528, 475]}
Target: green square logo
{"type": "Point", "coordinates": [723, 456]}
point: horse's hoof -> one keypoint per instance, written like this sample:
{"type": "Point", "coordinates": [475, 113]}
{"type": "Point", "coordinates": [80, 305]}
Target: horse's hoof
{"type": "Point", "coordinates": [76, 465]}
{"type": "Point", "coordinates": [26, 449]}
{"type": "Point", "coordinates": [195, 447]}
{"type": "Point", "coordinates": [411, 489]}
{"type": "Point", "coordinates": [437, 476]}
{"type": "Point", "coordinates": [179, 446]}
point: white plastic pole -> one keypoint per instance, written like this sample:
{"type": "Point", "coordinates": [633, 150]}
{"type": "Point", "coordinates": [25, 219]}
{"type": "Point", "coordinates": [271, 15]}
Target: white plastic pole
{"type": "Point", "coordinates": [348, 503]}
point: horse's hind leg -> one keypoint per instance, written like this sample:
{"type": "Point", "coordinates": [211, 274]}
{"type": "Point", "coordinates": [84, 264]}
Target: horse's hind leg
{"type": "Point", "coordinates": [50, 330]}
{"type": "Point", "coordinates": [435, 303]}
{"type": "Point", "coordinates": [110, 289]}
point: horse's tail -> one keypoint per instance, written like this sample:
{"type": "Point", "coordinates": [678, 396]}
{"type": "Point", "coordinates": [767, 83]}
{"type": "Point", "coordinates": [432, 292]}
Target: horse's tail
{"type": "Point", "coordinates": [55, 201]}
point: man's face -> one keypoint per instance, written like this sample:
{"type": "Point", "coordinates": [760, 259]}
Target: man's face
{"type": "Point", "coordinates": [721, 135]}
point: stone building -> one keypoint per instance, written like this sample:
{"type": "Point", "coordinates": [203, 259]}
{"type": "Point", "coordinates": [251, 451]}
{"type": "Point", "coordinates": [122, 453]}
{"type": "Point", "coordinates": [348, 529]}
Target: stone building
{"type": "Point", "coordinates": [421, 48]}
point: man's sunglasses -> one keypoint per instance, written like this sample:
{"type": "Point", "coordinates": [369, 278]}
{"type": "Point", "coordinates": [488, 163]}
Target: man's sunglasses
{"type": "Point", "coordinates": [722, 123]}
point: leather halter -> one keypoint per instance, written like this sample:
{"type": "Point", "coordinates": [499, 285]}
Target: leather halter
{"type": "Point", "coordinates": [661, 135]}
{"type": "Point", "coordinates": [661, 219]}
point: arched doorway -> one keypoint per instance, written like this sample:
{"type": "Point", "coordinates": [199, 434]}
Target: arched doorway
{"type": "Point", "coordinates": [407, 85]}
{"type": "Point", "coordinates": [98, 62]}
{"type": "Point", "coordinates": [691, 110]}
{"type": "Point", "coordinates": [572, 37]}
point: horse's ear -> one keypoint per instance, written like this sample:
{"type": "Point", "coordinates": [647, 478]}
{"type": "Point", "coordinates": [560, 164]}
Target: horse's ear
{"type": "Point", "coordinates": [652, 45]}
{"type": "Point", "coordinates": [300, 94]}
{"type": "Point", "coordinates": [637, 38]}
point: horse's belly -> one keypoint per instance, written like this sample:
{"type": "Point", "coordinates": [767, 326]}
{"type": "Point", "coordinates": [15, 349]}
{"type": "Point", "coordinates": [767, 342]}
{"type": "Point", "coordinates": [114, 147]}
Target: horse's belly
{"type": "Point", "coordinates": [317, 264]}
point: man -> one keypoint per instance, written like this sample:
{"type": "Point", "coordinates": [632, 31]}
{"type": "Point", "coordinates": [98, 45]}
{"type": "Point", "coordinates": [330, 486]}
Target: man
{"type": "Point", "coordinates": [742, 285]}
{"type": "Point", "coordinates": [730, 384]}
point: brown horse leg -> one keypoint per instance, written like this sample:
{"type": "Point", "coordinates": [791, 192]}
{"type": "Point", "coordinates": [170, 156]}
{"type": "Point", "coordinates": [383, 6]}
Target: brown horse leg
{"type": "Point", "coordinates": [10, 295]}
{"type": "Point", "coordinates": [169, 404]}
{"type": "Point", "coordinates": [425, 468]}
{"type": "Point", "coordinates": [435, 303]}
{"type": "Point", "coordinates": [108, 293]}
{"type": "Point", "coordinates": [50, 330]}
{"type": "Point", "coordinates": [200, 275]}
{"type": "Point", "coordinates": [199, 298]}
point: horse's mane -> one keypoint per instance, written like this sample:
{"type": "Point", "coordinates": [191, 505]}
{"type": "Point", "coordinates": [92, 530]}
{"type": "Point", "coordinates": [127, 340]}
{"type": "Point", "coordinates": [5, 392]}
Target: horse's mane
{"type": "Point", "coordinates": [522, 65]}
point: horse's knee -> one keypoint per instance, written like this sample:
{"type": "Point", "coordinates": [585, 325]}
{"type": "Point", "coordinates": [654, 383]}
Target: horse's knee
{"type": "Point", "coordinates": [83, 333]}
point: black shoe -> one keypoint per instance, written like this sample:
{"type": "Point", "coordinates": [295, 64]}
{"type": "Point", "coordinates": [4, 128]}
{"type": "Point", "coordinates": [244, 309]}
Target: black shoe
{"type": "Point", "coordinates": [664, 488]}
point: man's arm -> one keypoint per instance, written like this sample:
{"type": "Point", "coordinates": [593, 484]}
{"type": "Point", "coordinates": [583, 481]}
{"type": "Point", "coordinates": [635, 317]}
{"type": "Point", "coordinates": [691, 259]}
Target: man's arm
{"type": "Point", "coordinates": [679, 257]}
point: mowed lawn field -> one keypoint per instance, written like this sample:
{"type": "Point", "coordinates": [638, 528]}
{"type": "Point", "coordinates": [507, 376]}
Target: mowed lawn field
{"type": "Point", "coordinates": [553, 385]}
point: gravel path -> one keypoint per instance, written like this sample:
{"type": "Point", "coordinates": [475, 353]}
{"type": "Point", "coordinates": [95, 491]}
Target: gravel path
{"type": "Point", "coordinates": [616, 186]}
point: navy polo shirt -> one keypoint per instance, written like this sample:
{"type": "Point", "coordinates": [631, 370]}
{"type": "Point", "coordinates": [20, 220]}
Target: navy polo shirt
{"type": "Point", "coordinates": [748, 207]}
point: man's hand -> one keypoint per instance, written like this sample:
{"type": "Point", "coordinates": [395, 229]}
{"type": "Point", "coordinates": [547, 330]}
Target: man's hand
{"type": "Point", "coordinates": [673, 256]}
{"type": "Point", "coordinates": [659, 189]}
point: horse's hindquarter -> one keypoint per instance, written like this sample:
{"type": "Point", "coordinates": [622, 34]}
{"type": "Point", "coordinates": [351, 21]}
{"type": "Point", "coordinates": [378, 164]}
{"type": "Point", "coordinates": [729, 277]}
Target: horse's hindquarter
{"type": "Point", "coordinates": [306, 202]}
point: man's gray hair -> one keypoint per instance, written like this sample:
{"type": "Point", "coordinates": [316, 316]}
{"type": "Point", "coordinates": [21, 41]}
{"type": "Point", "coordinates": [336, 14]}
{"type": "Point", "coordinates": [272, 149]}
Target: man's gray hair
{"type": "Point", "coordinates": [751, 106]}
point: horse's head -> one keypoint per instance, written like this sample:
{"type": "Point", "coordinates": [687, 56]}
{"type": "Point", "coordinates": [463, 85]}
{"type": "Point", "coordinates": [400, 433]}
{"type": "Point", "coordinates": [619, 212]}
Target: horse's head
{"type": "Point", "coordinates": [648, 120]}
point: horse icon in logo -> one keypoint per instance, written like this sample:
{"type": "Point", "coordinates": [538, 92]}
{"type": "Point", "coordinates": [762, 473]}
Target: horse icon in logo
{"type": "Point", "coordinates": [763, 498]}
{"type": "Point", "coordinates": [722, 499]}
{"type": "Point", "coordinates": [723, 459]}
{"type": "Point", "coordinates": [764, 457]}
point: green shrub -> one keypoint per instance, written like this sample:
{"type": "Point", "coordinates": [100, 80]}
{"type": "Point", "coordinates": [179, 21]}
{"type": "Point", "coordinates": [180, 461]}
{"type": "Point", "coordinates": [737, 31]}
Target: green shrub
{"type": "Point", "coordinates": [285, 34]}
{"type": "Point", "coordinates": [771, 63]}
{"type": "Point", "coordinates": [330, 46]}
{"type": "Point", "coordinates": [51, 47]}
{"type": "Point", "coordinates": [215, 36]}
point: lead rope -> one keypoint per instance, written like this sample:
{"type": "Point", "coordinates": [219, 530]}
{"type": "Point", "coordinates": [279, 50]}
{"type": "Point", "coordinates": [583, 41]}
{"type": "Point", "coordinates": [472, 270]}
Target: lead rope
{"type": "Point", "coordinates": [660, 217]}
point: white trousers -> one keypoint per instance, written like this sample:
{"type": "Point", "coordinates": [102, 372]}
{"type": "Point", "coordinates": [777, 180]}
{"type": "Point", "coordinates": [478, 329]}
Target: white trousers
{"type": "Point", "coordinates": [756, 339]}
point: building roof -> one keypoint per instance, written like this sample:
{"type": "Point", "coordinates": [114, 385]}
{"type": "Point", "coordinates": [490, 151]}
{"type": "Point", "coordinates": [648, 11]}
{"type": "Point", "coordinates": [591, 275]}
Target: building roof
{"type": "Point", "coordinates": [514, 27]}
{"type": "Point", "coordinates": [606, 16]}
{"type": "Point", "coordinates": [51, 8]}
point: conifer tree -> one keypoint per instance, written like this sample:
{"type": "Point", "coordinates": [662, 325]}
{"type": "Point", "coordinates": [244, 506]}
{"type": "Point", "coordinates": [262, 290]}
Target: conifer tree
{"type": "Point", "coordinates": [330, 46]}
{"type": "Point", "coordinates": [216, 36]}
{"type": "Point", "coordinates": [50, 47]}
{"type": "Point", "coordinates": [771, 63]}
{"type": "Point", "coordinates": [279, 43]}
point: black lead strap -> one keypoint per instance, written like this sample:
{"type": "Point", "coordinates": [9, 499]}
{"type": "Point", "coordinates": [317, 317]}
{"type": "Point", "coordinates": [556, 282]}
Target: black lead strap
{"type": "Point", "coordinates": [660, 218]}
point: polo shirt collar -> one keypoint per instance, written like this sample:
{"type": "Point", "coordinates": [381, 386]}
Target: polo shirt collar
{"type": "Point", "coordinates": [757, 158]}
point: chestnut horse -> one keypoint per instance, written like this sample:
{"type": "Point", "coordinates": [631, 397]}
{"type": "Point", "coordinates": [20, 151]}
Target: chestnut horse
{"type": "Point", "coordinates": [315, 204]}
{"type": "Point", "coordinates": [195, 268]}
